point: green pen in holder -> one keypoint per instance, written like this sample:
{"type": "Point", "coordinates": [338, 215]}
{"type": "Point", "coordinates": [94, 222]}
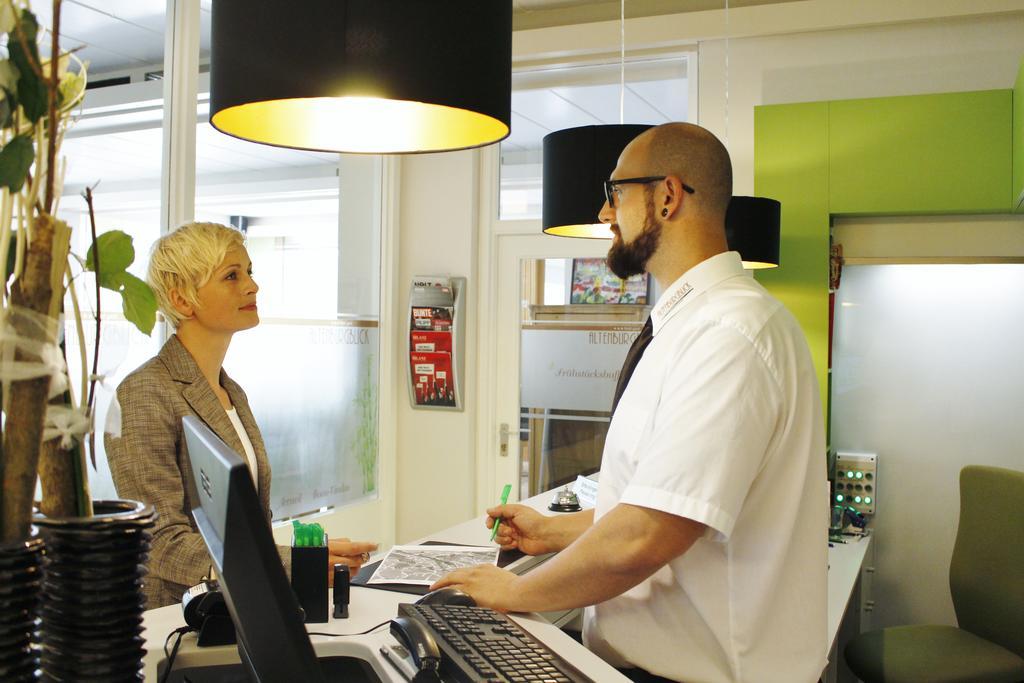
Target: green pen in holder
{"type": "Point", "coordinates": [309, 570]}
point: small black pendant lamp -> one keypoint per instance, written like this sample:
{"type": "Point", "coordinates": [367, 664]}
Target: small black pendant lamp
{"type": "Point", "coordinates": [364, 76]}
{"type": "Point", "coordinates": [577, 161]}
{"type": "Point", "coordinates": [752, 227]}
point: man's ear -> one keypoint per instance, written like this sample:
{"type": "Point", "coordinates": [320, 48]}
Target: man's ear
{"type": "Point", "coordinates": [673, 198]}
{"type": "Point", "coordinates": [181, 304]}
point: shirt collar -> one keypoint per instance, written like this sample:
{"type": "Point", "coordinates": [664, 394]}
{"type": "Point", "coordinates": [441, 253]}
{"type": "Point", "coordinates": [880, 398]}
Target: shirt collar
{"type": "Point", "coordinates": [690, 284]}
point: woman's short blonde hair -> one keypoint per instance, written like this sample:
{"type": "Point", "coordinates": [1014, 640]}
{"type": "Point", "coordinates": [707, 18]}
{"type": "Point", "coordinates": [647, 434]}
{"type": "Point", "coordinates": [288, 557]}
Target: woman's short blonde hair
{"type": "Point", "coordinates": [185, 259]}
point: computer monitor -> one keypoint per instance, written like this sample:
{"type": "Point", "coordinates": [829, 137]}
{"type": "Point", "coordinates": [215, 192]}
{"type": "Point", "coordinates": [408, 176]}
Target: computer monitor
{"type": "Point", "coordinates": [272, 638]}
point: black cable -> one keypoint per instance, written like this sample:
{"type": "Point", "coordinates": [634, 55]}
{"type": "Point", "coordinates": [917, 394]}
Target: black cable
{"type": "Point", "coordinates": [180, 631]}
{"type": "Point", "coordinates": [361, 633]}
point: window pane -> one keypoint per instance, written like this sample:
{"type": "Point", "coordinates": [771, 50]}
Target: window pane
{"type": "Point", "coordinates": [312, 225]}
{"type": "Point", "coordinates": [127, 161]}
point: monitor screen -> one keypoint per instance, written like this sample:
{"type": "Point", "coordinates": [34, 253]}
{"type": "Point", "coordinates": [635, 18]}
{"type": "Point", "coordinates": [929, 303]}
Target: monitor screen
{"type": "Point", "coordinates": [272, 638]}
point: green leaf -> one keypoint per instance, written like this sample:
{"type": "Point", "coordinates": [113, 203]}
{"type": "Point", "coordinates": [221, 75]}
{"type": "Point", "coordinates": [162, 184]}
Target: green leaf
{"type": "Point", "coordinates": [138, 303]}
{"type": "Point", "coordinates": [15, 159]}
{"type": "Point", "coordinates": [7, 106]}
{"type": "Point", "coordinates": [31, 88]}
{"type": "Point", "coordinates": [8, 75]}
{"type": "Point", "coordinates": [12, 254]}
{"type": "Point", "coordinates": [116, 254]}
{"type": "Point", "coordinates": [71, 90]}
{"type": "Point", "coordinates": [8, 17]}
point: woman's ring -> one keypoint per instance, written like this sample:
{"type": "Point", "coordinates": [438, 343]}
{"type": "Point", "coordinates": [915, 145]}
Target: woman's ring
{"type": "Point", "coordinates": [364, 557]}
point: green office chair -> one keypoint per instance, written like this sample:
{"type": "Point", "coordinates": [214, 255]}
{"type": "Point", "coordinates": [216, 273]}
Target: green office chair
{"type": "Point", "coordinates": [986, 579]}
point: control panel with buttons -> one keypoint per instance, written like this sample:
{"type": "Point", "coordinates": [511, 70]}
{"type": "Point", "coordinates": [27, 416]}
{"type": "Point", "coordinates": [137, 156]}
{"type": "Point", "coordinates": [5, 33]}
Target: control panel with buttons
{"type": "Point", "coordinates": [856, 481]}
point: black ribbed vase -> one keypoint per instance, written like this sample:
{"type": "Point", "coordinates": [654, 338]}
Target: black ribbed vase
{"type": "Point", "coordinates": [21, 580]}
{"type": "Point", "coordinates": [92, 607]}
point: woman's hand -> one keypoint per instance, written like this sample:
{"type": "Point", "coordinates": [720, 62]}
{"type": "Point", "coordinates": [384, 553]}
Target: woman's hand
{"type": "Point", "coordinates": [343, 551]}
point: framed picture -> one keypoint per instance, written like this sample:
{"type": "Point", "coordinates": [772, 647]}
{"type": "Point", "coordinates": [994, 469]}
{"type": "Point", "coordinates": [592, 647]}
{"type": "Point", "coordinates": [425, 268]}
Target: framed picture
{"type": "Point", "coordinates": [594, 283]}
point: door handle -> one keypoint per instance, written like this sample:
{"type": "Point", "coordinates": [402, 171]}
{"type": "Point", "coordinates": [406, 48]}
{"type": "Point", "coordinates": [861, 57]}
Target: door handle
{"type": "Point", "coordinates": [506, 434]}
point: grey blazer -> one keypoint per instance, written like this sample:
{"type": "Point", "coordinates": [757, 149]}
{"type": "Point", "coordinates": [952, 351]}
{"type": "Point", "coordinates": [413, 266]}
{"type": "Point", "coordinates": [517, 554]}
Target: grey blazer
{"type": "Point", "coordinates": [149, 460]}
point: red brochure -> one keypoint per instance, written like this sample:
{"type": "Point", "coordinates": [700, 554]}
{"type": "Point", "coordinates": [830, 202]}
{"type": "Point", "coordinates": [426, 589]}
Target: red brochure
{"type": "Point", "coordinates": [428, 342]}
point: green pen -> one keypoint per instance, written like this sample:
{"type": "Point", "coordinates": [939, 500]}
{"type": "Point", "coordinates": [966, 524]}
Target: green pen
{"type": "Point", "coordinates": [504, 499]}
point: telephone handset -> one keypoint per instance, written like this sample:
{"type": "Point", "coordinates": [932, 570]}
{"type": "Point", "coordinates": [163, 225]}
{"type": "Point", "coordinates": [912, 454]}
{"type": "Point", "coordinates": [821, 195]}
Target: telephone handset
{"type": "Point", "coordinates": [426, 655]}
{"type": "Point", "coordinates": [206, 612]}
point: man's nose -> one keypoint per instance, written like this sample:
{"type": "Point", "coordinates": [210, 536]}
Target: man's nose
{"type": "Point", "coordinates": [606, 214]}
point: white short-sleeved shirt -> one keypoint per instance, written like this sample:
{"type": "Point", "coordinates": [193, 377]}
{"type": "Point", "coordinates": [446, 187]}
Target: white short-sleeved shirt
{"type": "Point", "coordinates": [721, 423]}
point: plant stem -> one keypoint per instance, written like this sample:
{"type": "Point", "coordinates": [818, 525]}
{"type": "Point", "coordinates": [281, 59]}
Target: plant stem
{"type": "Point", "coordinates": [96, 348]}
{"type": "Point", "coordinates": [52, 84]}
{"type": "Point", "coordinates": [23, 430]}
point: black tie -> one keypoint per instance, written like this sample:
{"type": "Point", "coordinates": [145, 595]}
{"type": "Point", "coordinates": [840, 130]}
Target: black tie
{"type": "Point", "coordinates": [632, 358]}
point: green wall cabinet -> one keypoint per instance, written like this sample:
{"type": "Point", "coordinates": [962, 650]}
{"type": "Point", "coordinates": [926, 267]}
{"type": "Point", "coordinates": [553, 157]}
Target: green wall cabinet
{"type": "Point", "coordinates": [922, 154]}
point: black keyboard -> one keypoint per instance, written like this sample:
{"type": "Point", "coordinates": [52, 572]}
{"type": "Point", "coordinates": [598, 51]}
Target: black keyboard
{"type": "Point", "coordinates": [479, 644]}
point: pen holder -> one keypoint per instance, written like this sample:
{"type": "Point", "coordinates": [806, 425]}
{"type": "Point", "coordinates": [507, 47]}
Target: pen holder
{"type": "Point", "coordinates": [309, 580]}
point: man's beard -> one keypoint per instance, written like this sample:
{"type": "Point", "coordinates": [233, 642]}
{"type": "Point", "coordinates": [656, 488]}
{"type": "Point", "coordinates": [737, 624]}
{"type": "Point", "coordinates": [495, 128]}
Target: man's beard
{"type": "Point", "coordinates": [626, 260]}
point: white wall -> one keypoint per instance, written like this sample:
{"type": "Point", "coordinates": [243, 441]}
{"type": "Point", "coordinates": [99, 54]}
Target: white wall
{"type": "Point", "coordinates": [436, 478]}
{"type": "Point", "coordinates": [926, 374]}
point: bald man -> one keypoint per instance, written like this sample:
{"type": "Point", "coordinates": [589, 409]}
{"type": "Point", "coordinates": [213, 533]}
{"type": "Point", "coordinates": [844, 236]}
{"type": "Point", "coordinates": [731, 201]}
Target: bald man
{"type": "Point", "coordinates": [705, 558]}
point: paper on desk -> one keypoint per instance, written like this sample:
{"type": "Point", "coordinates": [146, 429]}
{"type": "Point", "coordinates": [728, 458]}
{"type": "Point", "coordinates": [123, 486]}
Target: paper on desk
{"type": "Point", "coordinates": [424, 564]}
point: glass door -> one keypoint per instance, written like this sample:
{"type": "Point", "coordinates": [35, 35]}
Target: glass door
{"type": "Point", "coordinates": [577, 321]}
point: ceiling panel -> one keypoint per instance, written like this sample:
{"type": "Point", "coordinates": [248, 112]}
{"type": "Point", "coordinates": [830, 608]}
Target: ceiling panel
{"type": "Point", "coordinates": [212, 142]}
{"type": "Point", "coordinates": [603, 102]}
{"type": "Point", "coordinates": [108, 40]}
{"type": "Point", "coordinates": [668, 98]}
{"type": "Point", "coordinates": [525, 134]}
{"type": "Point", "coordinates": [551, 110]}
{"type": "Point", "coordinates": [113, 158]}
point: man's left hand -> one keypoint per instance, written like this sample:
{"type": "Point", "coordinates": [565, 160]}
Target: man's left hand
{"type": "Point", "coordinates": [488, 585]}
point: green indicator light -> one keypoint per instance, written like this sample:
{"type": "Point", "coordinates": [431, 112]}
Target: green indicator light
{"type": "Point", "coordinates": [839, 498]}
{"type": "Point", "coordinates": [850, 474]}
{"type": "Point", "coordinates": [860, 475]}
{"type": "Point", "coordinates": [856, 499]}
{"type": "Point", "coordinates": [868, 500]}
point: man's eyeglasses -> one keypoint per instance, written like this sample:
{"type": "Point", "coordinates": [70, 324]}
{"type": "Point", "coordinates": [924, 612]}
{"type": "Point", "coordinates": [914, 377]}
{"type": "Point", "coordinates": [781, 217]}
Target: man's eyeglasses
{"type": "Point", "coordinates": [609, 186]}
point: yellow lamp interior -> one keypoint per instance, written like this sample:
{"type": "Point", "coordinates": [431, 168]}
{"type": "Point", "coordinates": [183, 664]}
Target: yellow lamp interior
{"type": "Point", "coordinates": [593, 230]}
{"type": "Point", "coordinates": [759, 265]}
{"type": "Point", "coordinates": [369, 125]}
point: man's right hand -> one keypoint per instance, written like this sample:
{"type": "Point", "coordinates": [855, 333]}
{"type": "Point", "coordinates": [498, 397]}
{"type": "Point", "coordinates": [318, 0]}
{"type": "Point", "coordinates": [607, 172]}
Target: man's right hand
{"type": "Point", "coordinates": [523, 528]}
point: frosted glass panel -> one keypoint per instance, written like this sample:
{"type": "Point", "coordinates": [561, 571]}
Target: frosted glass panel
{"type": "Point", "coordinates": [926, 373]}
{"type": "Point", "coordinates": [313, 392]}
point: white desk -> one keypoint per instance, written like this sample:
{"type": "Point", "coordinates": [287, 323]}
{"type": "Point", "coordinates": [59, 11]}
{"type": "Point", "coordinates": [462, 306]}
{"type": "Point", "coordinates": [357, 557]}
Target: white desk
{"type": "Point", "coordinates": [845, 564]}
{"type": "Point", "coordinates": [368, 607]}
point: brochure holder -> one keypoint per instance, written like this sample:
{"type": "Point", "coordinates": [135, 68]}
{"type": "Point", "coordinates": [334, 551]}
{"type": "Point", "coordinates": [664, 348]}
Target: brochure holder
{"type": "Point", "coordinates": [437, 346]}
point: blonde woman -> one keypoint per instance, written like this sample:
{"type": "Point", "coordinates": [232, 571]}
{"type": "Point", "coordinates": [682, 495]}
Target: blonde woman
{"type": "Point", "coordinates": [202, 278]}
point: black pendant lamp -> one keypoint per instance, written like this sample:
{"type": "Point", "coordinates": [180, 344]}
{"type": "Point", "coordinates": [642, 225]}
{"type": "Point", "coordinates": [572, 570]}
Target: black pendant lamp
{"type": "Point", "coordinates": [752, 227]}
{"type": "Point", "coordinates": [364, 76]}
{"type": "Point", "coordinates": [576, 163]}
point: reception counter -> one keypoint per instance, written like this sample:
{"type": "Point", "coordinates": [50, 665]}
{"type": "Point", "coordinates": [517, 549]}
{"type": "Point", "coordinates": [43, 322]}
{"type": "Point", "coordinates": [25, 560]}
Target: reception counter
{"type": "Point", "coordinates": [369, 607]}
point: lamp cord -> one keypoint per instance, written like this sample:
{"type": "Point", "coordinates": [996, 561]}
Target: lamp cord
{"type": "Point", "coordinates": [622, 62]}
{"type": "Point", "coordinates": [727, 32]}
